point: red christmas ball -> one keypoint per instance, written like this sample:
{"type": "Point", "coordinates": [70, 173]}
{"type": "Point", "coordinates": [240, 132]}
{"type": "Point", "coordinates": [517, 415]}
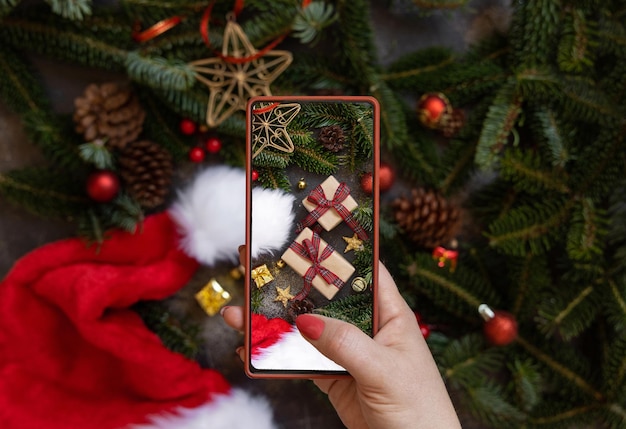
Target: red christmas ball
{"type": "Point", "coordinates": [386, 177]}
{"type": "Point", "coordinates": [425, 329]}
{"type": "Point", "coordinates": [196, 154]}
{"type": "Point", "coordinates": [432, 109]}
{"type": "Point", "coordinates": [367, 183]}
{"type": "Point", "coordinates": [102, 186]}
{"type": "Point", "coordinates": [187, 126]}
{"type": "Point", "coordinates": [500, 329]}
{"type": "Point", "coordinates": [213, 145]}
{"type": "Point", "coordinates": [255, 175]}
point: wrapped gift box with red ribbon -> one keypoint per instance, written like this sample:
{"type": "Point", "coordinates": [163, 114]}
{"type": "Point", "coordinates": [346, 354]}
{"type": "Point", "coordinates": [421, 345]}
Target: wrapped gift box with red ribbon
{"type": "Point", "coordinates": [318, 263]}
{"type": "Point", "coordinates": [329, 204]}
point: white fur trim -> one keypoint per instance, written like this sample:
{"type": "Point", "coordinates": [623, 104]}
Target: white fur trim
{"type": "Point", "coordinates": [292, 351]}
{"type": "Point", "coordinates": [211, 216]}
{"type": "Point", "coordinates": [238, 410]}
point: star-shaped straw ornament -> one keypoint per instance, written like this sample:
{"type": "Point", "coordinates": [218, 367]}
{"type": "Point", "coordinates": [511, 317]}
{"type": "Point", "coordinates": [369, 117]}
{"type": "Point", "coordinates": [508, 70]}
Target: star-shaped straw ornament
{"type": "Point", "coordinates": [232, 82]}
{"type": "Point", "coordinates": [283, 295]}
{"type": "Point", "coordinates": [269, 126]}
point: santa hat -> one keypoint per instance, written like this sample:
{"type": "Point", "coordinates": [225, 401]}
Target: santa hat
{"type": "Point", "coordinates": [73, 355]}
{"type": "Point", "coordinates": [277, 344]}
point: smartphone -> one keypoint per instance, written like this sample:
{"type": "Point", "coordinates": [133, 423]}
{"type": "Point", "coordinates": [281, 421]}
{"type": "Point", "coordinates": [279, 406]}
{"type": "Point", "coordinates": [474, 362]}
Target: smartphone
{"type": "Point", "coordinates": [311, 226]}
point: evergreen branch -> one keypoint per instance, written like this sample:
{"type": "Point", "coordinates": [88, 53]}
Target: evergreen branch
{"type": "Point", "coordinates": [96, 153]}
{"type": "Point", "coordinates": [529, 228]}
{"type": "Point", "coordinates": [619, 302]}
{"type": "Point", "coordinates": [585, 238]}
{"type": "Point", "coordinates": [19, 88]}
{"type": "Point", "coordinates": [527, 382]}
{"type": "Point", "coordinates": [465, 361]}
{"type": "Point", "coordinates": [553, 136]}
{"type": "Point", "coordinates": [524, 169]}
{"type": "Point", "coordinates": [559, 368]}
{"type": "Point", "coordinates": [87, 49]}
{"type": "Point", "coordinates": [569, 318]}
{"type": "Point", "coordinates": [159, 72]}
{"type": "Point", "coordinates": [71, 9]}
{"type": "Point", "coordinates": [461, 163]}
{"type": "Point", "coordinates": [42, 193]}
{"type": "Point", "coordinates": [487, 402]}
{"type": "Point", "coordinates": [575, 48]}
{"type": "Point", "coordinates": [565, 416]}
{"type": "Point", "coordinates": [314, 160]}
{"type": "Point", "coordinates": [498, 124]}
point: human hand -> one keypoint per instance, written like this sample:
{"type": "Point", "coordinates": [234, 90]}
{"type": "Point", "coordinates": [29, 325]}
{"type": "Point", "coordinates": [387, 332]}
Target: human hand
{"type": "Point", "coordinates": [395, 382]}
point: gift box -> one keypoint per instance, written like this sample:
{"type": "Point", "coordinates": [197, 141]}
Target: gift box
{"type": "Point", "coordinates": [318, 263]}
{"type": "Point", "coordinates": [330, 217]}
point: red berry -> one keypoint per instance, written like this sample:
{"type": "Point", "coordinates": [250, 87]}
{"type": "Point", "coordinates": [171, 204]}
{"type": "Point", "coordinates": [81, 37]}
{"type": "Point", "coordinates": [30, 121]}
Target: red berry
{"type": "Point", "coordinates": [255, 175]}
{"type": "Point", "coordinates": [425, 331]}
{"type": "Point", "coordinates": [187, 126]}
{"type": "Point", "coordinates": [367, 183]}
{"type": "Point", "coordinates": [196, 154]}
{"type": "Point", "coordinates": [102, 186]}
{"type": "Point", "coordinates": [213, 145]}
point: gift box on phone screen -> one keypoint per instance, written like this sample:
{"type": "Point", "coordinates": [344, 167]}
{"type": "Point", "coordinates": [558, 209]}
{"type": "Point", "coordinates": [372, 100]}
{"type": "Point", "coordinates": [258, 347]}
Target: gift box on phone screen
{"type": "Point", "coordinates": [318, 263]}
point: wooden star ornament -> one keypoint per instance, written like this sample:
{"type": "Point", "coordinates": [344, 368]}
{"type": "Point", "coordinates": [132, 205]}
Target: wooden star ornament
{"type": "Point", "coordinates": [283, 295]}
{"type": "Point", "coordinates": [353, 243]}
{"type": "Point", "coordinates": [269, 127]}
{"type": "Point", "coordinates": [232, 82]}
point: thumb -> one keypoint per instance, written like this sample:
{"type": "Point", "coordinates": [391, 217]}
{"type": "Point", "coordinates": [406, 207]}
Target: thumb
{"type": "Point", "coordinates": [339, 341]}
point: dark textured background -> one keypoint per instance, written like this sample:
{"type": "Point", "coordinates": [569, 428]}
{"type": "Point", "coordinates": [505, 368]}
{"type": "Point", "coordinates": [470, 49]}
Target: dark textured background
{"type": "Point", "coordinates": [399, 28]}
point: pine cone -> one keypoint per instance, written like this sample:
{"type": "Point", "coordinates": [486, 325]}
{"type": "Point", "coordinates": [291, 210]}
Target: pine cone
{"type": "Point", "coordinates": [332, 138]}
{"type": "Point", "coordinates": [146, 169]}
{"type": "Point", "coordinates": [453, 123]}
{"type": "Point", "coordinates": [298, 307]}
{"type": "Point", "coordinates": [426, 217]}
{"type": "Point", "coordinates": [111, 112]}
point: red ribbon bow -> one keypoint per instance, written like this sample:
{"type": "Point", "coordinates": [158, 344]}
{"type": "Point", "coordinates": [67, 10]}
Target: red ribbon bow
{"type": "Point", "coordinates": [310, 249]}
{"type": "Point", "coordinates": [318, 197]}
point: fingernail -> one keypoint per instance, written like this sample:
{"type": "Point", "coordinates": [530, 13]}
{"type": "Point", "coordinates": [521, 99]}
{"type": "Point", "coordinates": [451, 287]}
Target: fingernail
{"type": "Point", "coordinates": [223, 310]}
{"type": "Point", "coordinates": [310, 326]}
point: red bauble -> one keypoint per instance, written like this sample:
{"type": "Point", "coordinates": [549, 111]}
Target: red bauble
{"type": "Point", "coordinates": [196, 154]}
{"type": "Point", "coordinates": [500, 327]}
{"type": "Point", "coordinates": [255, 175]}
{"type": "Point", "coordinates": [213, 145]}
{"type": "Point", "coordinates": [433, 108]}
{"type": "Point", "coordinates": [386, 177]}
{"type": "Point", "coordinates": [425, 329]}
{"type": "Point", "coordinates": [367, 183]}
{"type": "Point", "coordinates": [102, 186]}
{"type": "Point", "coordinates": [187, 126]}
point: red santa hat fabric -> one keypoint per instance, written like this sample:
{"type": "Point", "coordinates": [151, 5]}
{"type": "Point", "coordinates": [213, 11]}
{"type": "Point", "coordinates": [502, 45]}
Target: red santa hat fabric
{"type": "Point", "coordinates": [73, 355]}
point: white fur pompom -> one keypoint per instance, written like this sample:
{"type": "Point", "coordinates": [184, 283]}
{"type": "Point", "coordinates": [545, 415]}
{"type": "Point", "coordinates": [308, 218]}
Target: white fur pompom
{"type": "Point", "coordinates": [211, 215]}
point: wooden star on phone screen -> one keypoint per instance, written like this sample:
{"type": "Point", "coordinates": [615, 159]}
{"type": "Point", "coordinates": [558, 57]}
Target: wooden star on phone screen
{"type": "Point", "coordinates": [283, 295]}
{"type": "Point", "coordinates": [232, 82]}
{"type": "Point", "coordinates": [269, 126]}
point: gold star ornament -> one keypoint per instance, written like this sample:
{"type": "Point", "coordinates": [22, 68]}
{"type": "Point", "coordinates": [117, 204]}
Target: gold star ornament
{"type": "Point", "coordinates": [269, 126]}
{"type": "Point", "coordinates": [353, 243]}
{"type": "Point", "coordinates": [232, 82]}
{"type": "Point", "coordinates": [283, 295]}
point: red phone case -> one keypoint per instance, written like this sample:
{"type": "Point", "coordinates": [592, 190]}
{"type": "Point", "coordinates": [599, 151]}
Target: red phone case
{"type": "Point", "coordinates": [317, 266]}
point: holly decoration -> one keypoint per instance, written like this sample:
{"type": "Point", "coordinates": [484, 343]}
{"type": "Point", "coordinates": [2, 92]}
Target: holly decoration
{"type": "Point", "coordinates": [196, 154]}
{"type": "Point", "coordinates": [255, 175]}
{"type": "Point", "coordinates": [433, 109]}
{"type": "Point", "coordinates": [187, 126]}
{"type": "Point", "coordinates": [500, 327]}
{"type": "Point", "coordinates": [102, 186]}
{"type": "Point", "coordinates": [213, 145]}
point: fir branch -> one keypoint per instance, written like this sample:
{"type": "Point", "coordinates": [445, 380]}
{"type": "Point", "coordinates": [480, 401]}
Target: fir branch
{"type": "Point", "coordinates": [159, 72]}
{"type": "Point", "coordinates": [529, 228]}
{"type": "Point", "coordinates": [43, 192]}
{"type": "Point", "coordinates": [274, 178]}
{"type": "Point", "coordinates": [575, 50]}
{"type": "Point", "coordinates": [525, 170]}
{"type": "Point", "coordinates": [487, 401]}
{"type": "Point", "coordinates": [559, 368]}
{"type": "Point", "coordinates": [314, 159]}
{"type": "Point", "coordinates": [529, 276]}
{"type": "Point", "coordinates": [533, 31]}
{"type": "Point", "coordinates": [460, 292]}
{"type": "Point", "coordinates": [552, 134]}
{"type": "Point", "coordinates": [272, 159]}
{"type": "Point", "coordinates": [498, 125]}
{"type": "Point", "coordinates": [71, 9]}
{"type": "Point", "coordinates": [465, 361]}
{"type": "Point", "coordinates": [527, 383]}
{"type": "Point", "coordinates": [96, 153]}
{"type": "Point", "coordinates": [356, 309]}
{"type": "Point", "coordinates": [588, 228]}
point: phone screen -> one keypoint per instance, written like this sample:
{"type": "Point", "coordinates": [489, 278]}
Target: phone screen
{"type": "Point", "coordinates": [312, 225]}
